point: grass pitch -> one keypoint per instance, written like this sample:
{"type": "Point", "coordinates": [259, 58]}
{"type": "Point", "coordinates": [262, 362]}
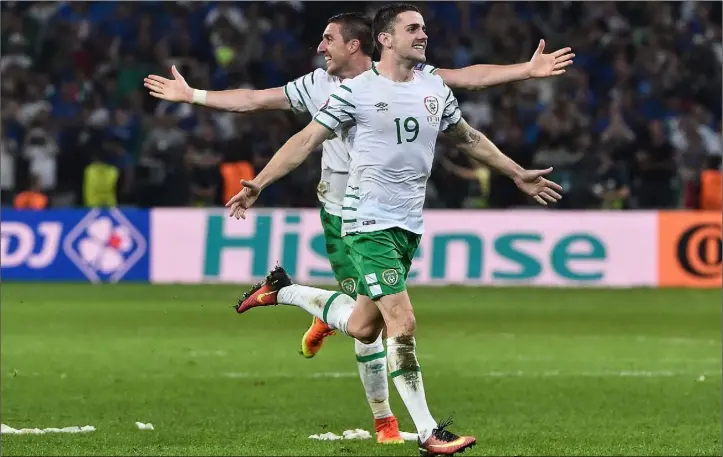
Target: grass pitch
{"type": "Point", "coordinates": [527, 371]}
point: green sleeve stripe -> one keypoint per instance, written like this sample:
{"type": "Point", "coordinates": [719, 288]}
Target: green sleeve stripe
{"type": "Point", "coordinates": [353, 188]}
{"type": "Point", "coordinates": [351, 196]}
{"type": "Point", "coordinates": [450, 93]}
{"type": "Point", "coordinates": [328, 305]}
{"type": "Point", "coordinates": [286, 92]}
{"type": "Point", "coordinates": [348, 208]}
{"type": "Point", "coordinates": [317, 120]}
{"type": "Point", "coordinates": [349, 114]}
{"type": "Point", "coordinates": [324, 111]}
{"type": "Point", "coordinates": [348, 221]}
{"type": "Point", "coordinates": [301, 96]}
{"type": "Point", "coordinates": [345, 88]}
{"type": "Point", "coordinates": [433, 70]}
{"type": "Point", "coordinates": [312, 77]}
{"type": "Point", "coordinates": [342, 100]}
{"type": "Point", "coordinates": [303, 83]}
{"type": "Point", "coordinates": [370, 357]}
{"type": "Point", "coordinates": [401, 371]}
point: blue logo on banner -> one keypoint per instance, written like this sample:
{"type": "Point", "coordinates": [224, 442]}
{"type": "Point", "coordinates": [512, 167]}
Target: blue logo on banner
{"type": "Point", "coordinates": [100, 245]}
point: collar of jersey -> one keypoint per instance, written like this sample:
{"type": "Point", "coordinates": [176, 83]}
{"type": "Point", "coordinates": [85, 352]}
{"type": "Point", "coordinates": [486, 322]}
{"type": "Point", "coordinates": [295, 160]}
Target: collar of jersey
{"type": "Point", "coordinates": [402, 83]}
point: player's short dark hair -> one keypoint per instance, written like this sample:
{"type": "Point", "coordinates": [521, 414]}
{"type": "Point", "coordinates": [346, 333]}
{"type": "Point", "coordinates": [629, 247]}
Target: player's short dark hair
{"type": "Point", "coordinates": [386, 17]}
{"type": "Point", "coordinates": [356, 26]}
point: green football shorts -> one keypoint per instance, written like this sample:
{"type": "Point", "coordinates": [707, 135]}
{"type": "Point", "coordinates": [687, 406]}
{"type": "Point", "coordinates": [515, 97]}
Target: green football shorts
{"type": "Point", "coordinates": [382, 260]}
{"type": "Point", "coordinates": [338, 253]}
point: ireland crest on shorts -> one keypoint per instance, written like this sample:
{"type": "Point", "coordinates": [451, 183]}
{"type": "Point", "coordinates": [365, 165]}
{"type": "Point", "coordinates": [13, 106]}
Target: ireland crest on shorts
{"type": "Point", "coordinates": [390, 277]}
{"type": "Point", "coordinates": [348, 285]}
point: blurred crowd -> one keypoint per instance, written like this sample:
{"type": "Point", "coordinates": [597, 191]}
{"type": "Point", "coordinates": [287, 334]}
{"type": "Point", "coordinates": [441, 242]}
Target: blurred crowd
{"type": "Point", "coordinates": [634, 123]}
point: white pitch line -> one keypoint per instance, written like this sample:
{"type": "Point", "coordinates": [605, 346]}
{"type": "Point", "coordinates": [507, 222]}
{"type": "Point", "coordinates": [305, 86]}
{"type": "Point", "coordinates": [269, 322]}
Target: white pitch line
{"type": "Point", "coordinates": [508, 374]}
{"type": "Point", "coordinates": [208, 353]}
{"type": "Point", "coordinates": [489, 374]}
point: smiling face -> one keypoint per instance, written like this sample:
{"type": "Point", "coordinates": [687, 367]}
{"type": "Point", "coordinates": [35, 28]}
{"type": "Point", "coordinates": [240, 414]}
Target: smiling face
{"type": "Point", "coordinates": [335, 51]}
{"type": "Point", "coordinates": [408, 37]}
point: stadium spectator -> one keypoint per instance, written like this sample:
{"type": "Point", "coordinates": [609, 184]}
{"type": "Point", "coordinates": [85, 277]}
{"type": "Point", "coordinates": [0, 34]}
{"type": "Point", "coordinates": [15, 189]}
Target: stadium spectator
{"type": "Point", "coordinates": [654, 169]}
{"type": "Point", "coordinates": [8, 152]}
{"type": "Point", "coordinates": [641, 103]}
{"type": "Point", "coordinates": [34, 198]}
{"type": "Point", "coordinates": [40, 149]}
{"type": "Point", "coordinates": [100, 184]}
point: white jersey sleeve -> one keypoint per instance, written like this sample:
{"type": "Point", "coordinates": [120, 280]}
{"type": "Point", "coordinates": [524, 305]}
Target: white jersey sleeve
{"type": "Point", "coordinates": [451, 114]}
{"type": "Point", "coordinates": [339, 111]}
{"type": "Point", "coordinates": [302, 92]}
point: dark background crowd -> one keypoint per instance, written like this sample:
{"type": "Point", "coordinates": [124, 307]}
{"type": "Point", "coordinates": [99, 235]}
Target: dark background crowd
{"type": "Point", "coordinates": [634, 123]}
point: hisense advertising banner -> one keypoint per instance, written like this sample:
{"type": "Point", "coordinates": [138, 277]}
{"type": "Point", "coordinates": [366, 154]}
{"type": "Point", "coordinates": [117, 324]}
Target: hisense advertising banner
{"type": "Point", "coordinates": [544, 248]}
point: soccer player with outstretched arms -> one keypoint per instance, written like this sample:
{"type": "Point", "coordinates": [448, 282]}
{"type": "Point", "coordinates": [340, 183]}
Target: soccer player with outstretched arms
{"type": "Point", "coordinates": [347, 44]}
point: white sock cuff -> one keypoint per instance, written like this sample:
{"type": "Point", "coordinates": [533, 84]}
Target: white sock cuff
{"type": "Point", "coordinates": [401, 341]}
{"type": "Point", "coordinates": [287, 295]}
{"type": "Point", "coordinates": [337, 310]}
{"type": "Point", "coordinates": [363, 350]}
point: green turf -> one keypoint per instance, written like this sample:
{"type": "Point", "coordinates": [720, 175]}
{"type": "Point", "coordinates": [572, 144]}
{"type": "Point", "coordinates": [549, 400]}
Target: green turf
{"type": "Point", "coordinates": [528, 371]}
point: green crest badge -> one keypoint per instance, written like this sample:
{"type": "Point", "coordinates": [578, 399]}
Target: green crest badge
{"type": "Point", "coordinates": [322, 188]}
{"type": "Point", "coordinates": [348, 285]}
{"type": "Point", "coordinates": [390, 277]}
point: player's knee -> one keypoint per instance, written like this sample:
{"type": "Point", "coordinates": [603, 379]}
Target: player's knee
{"type": "Point", "coordinates": [368, 334]}
{"type": "Point", "coordinates": [407, 324]}
{"type": "Point", "coordinates": [364, 331]}
{"type": "Point", "coordinates": [403, 324]}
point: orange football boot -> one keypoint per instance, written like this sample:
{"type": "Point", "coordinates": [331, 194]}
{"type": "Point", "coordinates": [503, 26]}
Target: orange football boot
{"type": "Point", "coordinates": [387, 430]}
{"type": "Point", "coordinates": [314, 337]}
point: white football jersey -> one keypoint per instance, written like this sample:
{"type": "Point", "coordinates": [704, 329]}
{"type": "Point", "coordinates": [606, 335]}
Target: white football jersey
{"type": "Point", "coordinates": [397, 124]}
{"type": "Point", "coordinates": [307, 94]}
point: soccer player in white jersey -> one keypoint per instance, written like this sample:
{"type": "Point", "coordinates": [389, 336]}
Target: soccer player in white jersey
{"type": "Point", "coordinates": [347, 45]}
{"type": "Point", "coordinates": [392, 115]}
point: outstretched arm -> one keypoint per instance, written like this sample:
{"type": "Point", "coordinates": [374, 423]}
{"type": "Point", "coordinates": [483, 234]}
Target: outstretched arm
{"type": "Point", "coordinates": [541, 65]}
{"type": "Point", "coordinates": [480, 148]}
{"type": "Point", "coordinates": [237, 100]}
{"type": "Point", "coordinates": [291, 155]}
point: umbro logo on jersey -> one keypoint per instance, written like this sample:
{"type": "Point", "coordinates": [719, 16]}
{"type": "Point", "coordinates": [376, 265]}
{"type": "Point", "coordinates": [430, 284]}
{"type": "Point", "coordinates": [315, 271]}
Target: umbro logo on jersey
{"type": "Point", "coordinates": [381, 106]}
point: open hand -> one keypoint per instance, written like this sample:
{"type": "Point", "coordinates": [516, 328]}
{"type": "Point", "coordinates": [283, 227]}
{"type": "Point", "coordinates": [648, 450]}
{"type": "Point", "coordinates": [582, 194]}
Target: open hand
{"type": "Point", "coordinates": [543, 65]}
{"type": "Point", "coordinates": [243, 200]}
{"type": "Point", "coordinates": [536, 186]}
{"type": "Point", "coordinates": [173, 90]}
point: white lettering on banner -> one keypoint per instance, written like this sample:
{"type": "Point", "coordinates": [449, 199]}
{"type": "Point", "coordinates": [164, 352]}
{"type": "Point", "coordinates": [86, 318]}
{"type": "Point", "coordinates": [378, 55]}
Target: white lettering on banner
{"type": "Point", "coordinates": [22, 238]}
{"type": "Point", "coordinates": [458, 247]}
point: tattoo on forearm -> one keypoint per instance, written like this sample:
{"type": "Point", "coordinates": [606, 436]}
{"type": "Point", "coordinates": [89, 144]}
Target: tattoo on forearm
{"type": "Point", "coordinates": [473, 136]}
{"type": "Point", "coordinates": [464, 135]}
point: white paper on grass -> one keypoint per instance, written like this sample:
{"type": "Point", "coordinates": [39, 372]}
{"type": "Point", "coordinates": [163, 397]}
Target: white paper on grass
{"type": "Point", "coordinates": [142, 426]}
{"type": "Point", "coordinates": [7, 430]}
{"type": "Point", "coordinates": [356, 434]}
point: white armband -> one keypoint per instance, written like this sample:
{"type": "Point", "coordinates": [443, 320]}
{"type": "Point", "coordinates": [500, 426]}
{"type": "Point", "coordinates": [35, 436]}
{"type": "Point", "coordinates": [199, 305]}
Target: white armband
{"type": "Point", "coordinates": [199, 96]}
